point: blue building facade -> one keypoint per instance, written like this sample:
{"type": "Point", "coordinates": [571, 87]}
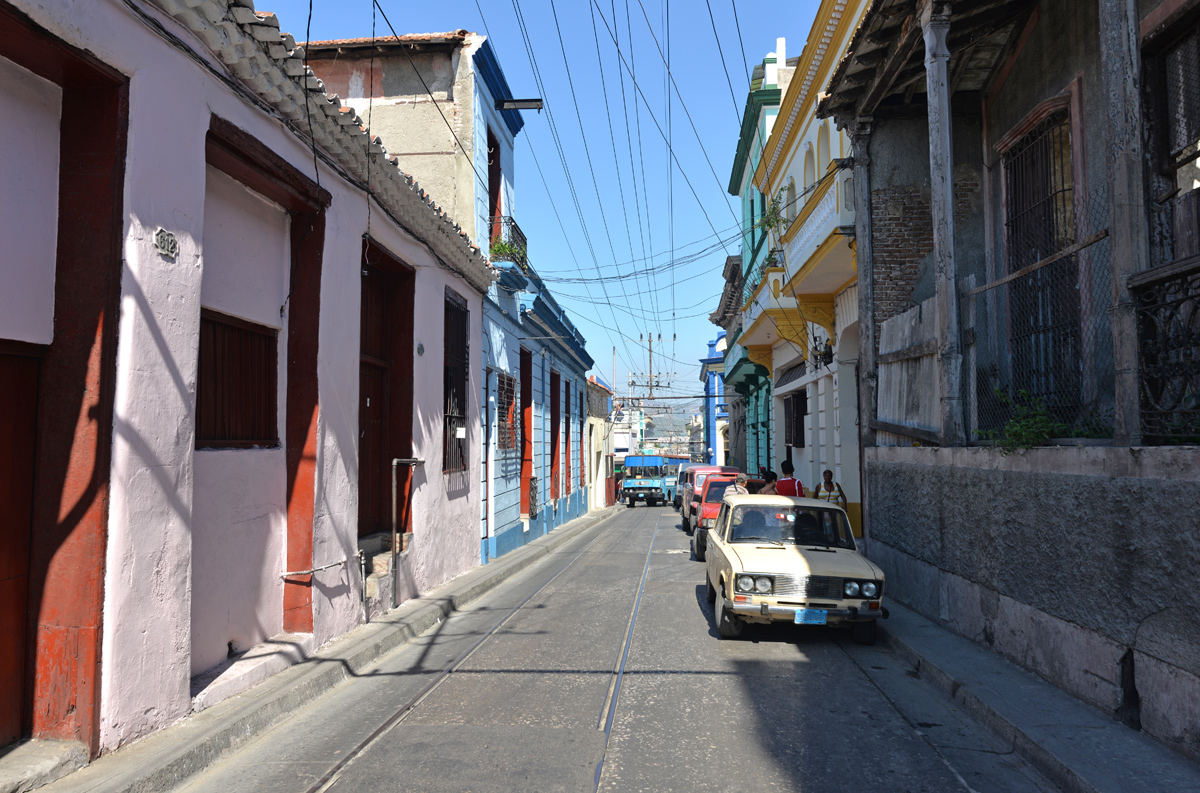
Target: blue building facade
{"type": "Point", "coordinates": [712, 374]}
{"type": "Point", "coordinates": [534, 400]}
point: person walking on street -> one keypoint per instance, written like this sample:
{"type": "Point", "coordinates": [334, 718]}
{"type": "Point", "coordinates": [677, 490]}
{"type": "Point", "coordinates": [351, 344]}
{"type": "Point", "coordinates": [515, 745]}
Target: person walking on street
{"type": "Point", "coordinates": [830, 491]}
{"type": "Point", "coordinates": [739, 485]}
{"type": "Point", "coordinates": [789, 485]}
{"type": "Point", "coordinates": [769, 489]}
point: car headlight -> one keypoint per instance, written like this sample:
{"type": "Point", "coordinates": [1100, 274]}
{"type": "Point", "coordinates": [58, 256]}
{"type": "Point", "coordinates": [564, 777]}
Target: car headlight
{"type": "Point", "coordinates": [851, 589]}
{"type": "Point", "coordinates": [706, 523]}
{"type": "Point", "coordinates": [745, 583]}
{"type": "Point", "coordinates": [870, 589]}
{"type": "Point", "coordinates": [762, 585]}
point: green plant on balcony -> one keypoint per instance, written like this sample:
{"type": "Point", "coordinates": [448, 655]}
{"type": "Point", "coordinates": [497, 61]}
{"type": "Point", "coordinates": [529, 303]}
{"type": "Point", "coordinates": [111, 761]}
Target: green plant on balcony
{"type": "Point", "coordinates": [505, 251]}
{"type": "Point", "coordinates": [773, 217]}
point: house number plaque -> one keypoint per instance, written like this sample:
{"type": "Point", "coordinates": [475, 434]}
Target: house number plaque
{"type": "Point", "coordinates": [166, 244]}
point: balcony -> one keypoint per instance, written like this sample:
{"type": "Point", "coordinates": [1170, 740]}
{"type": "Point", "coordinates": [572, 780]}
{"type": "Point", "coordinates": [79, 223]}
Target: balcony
{"type": "Point", "coordinates": [508, 243]}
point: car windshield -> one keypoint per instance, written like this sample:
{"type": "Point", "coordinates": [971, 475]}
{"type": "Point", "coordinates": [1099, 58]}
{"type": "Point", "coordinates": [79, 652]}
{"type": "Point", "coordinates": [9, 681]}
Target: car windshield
{"type": "Point", "coordinates": [716, 491]}
{"type": "Point", "coordinates": [644, 471]}
{"type": "Point", "coordinates": [827, 528]}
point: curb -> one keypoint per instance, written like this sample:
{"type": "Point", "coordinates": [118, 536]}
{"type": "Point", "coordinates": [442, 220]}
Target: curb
{"type": "Point", "coordinates": [1023, 745]}
{"type": "Point", "coordinates": [168, 757]}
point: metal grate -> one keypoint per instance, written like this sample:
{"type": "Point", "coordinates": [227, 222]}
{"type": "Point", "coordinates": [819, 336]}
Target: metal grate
{"type": "Point", "coordinates": [455, 355]}
{"type": "Point", "coordinates": [1040, 336]}
{"type": "Point", "coordinates": [1182, 72]}
{"type": "Point", "coordinates": [508, 417]}
{"type": "Point", "coordinates": [236, 383]}
{"type": "Point", "coordinates": [508, 242]}
{"type": "Point", "coordinates": [816, 587]}
{"type": "Point", "coordinates": [1169, 353]}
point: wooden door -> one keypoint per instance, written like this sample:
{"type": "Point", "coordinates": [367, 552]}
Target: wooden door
{"type": "Point", "coordinates": [372, 514]}
{"type": "Point", "coordinates": [374, 471]}
{"type": "Point", "coordinates": [18, 414]}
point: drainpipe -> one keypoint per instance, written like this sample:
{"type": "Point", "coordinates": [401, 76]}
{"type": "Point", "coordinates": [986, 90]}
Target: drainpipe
{"type": "Point", "coordinates": [411, 462]}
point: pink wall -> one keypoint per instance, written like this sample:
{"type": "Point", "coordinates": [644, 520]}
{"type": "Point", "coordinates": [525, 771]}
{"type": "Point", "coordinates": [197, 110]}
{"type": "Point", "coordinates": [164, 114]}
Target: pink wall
{"type": "Point", "coordinates": [30, 110]}
{"type": "Point", "coordinates": [239, 518]}
{"type": "Point", "coordinates": [175, 515]}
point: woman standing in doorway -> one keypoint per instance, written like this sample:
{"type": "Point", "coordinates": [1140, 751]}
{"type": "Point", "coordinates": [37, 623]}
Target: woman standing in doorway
{"type": "Point", "coordinates": [829, 490]}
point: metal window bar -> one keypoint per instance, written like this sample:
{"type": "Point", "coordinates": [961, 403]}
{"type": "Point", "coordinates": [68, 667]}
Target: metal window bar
{"type": "Point", "coordinates": [1040, 336]}
{"type": "Point", "coordinates": [508, 414]}
{"type": "Point", "coordinates": [508, 242]}
{"type": "Point", "coordinates": [1045, 305]}
{"type": "Point", "coordinates": [1168, 298]}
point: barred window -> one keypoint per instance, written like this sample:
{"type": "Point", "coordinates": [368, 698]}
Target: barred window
{"type": "Point", "coordinates": [236, 384]}
{"type": "Point", "coordinates": [508, 419]}
{"type": "Point", "coordinates": [455, 355]}
{"type": "Point", "coordinates": [1044, 304]}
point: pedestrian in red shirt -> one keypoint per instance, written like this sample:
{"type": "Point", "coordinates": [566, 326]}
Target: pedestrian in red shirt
{"type": "Point", "coordinates": [789, 485]}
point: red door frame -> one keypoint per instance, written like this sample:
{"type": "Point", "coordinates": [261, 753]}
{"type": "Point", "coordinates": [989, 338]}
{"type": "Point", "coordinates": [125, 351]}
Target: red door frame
{"type": "Point", "coordinates": [78, 381]}
{"type": "Point", "coordinates": [240, 155]}
{"type": "Point", "coordinates": [555, 443]}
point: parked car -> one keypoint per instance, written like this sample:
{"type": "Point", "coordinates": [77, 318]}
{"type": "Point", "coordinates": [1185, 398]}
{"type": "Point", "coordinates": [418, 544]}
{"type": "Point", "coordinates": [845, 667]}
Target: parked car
{"type": "Point", "coordinates": [693, 489]}
{"type": "Point", "coordinates": [684, 477]}
{"type": "Point", "coordinates": [715, 488]}
{"type": "Point", "coordinates": [783, 559]}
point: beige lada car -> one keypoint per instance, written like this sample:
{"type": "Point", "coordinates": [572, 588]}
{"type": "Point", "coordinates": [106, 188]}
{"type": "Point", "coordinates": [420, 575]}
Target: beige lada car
{"type": "Point", "coordinates": [782, 559]}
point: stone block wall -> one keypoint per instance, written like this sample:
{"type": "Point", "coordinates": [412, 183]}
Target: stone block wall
{"type": "Point", "coordinates": [1056, 559]}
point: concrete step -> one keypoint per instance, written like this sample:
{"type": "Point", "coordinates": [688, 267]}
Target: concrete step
{"type": "Point", "coordinates": [1079, 748]}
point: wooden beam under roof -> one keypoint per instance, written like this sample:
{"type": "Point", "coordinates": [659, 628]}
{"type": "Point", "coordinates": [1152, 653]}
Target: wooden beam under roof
{"type": "Point", "coordinates": [901, 50]}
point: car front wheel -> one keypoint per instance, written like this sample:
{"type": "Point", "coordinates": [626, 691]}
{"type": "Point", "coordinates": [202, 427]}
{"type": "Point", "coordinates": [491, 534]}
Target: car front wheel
{"type": "Point", "coordinates": [729, 625]}
{"type": "Point", "coordinates": [864, 632]}
{"type": "Point", "coordinates": [687, 525]}
{"type": "Point", "coordinates": [709, 591]}
{"type": "Point", "coordinates": [697, 549]}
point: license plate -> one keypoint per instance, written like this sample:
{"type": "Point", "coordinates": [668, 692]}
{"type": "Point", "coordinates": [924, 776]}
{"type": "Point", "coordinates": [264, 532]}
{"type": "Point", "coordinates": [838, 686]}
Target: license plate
{"type": "Point", "coordinates": [811, 616]}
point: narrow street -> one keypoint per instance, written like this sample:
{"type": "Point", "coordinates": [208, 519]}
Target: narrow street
{"type": "Point", "coordinates": [600, 668]}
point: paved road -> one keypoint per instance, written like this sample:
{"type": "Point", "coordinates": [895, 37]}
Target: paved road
{"type": "Point", "coordinates": [600, 668]}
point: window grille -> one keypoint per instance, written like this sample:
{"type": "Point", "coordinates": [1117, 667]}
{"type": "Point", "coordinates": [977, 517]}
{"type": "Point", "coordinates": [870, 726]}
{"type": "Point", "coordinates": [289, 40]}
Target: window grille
{"type": "Point", "coordinates": [1044, 305]}
{"type": "Point", "coordinates": [236, 384]}
{"type": "Point", "coordinates": [455, 356]}
{"type": "Point", "coordinates": [508, 419]}
{"type": "Point", "coordinates": [1168, 297]}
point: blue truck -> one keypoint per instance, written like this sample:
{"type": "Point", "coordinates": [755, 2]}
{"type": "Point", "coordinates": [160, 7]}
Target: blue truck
{"type": "Point", "coordinates": [674, 464]}
{"type": "Point", "coordinates": [645, 480]}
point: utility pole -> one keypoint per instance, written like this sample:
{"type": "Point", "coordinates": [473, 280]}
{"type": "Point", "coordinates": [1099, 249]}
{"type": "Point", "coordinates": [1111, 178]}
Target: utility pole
{"type": "Point", "coordinates": [651, 363]}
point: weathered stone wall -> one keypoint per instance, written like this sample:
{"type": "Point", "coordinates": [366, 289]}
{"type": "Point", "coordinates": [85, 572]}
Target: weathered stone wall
{"type": "Point", "coordinates": [1078, 563]}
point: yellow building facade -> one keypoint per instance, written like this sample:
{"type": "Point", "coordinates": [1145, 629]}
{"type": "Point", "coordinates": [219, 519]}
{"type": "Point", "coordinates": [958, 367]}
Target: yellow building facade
{"type": "Point", "coordinates": [800, 319]}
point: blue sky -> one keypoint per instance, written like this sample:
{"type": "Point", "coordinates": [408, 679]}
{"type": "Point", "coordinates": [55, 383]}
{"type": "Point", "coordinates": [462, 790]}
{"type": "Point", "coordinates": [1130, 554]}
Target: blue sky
{"type": "Point", "coordinates": [614, 238]}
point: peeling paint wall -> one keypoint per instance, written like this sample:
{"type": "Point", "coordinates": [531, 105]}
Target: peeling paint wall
{"type": "Point", "coordinates": [162, 489]}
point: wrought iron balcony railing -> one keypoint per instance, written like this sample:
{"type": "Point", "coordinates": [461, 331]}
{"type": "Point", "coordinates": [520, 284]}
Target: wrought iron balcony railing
{"type": "Point", "coordinates": [507, 242]}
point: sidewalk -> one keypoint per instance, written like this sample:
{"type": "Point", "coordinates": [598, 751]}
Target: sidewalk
{"type": "Point", "coordinates": [165, 759]}
{"type": "Point", "coordinates": [1076, 746]}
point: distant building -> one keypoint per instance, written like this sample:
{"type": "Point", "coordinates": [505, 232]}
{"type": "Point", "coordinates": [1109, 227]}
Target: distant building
{"type": "Point", "coordinates": [716, 414]}
{"type": "Point", "coordinates": [534, 360]}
